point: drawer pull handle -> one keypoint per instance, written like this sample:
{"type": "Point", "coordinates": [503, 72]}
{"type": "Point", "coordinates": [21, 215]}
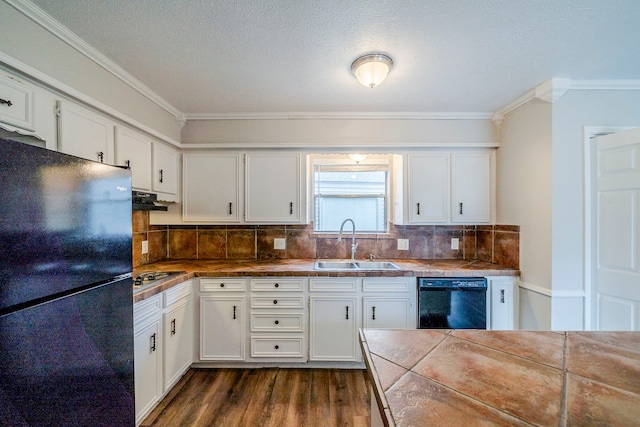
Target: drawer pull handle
{"type": "Point", "coordinates": [161, 176]}
{"type": "Point", "coordinates": [502, 296]}
{"type": "Point", "coordinates": [6, 101]}
{"type": "Point", "coordinates": [101, 156]}
{"type": "Point", "coordinates": [373, 317]}
{"type": "Point", "coordinates": [291, 208]}
{"type": "Point", "coordinates": [234, 312]}
{"type": "Point", "coordinates": [277, 322]}
{"type": "Point", "coordinates": [276, 285]}
{"type": "Point", "coordinates": [153, 343]}
{"type": "Point", "coordinates": [230, 208]}
{"type": "Point", "coordinates": [173, 327]}
{"type": "Point", "coordinates": [460, 208]}
{"type": "Point", "coordinates": [347, 313]}
{"type": "Point", "coordinates": [418, 208]}
{"type": "Point", "coordinates": [222, 285]}
{"type": "Point", "coordinates": [277, 347]}
{"type": "Point", "coordinates": [275, 301]}
{"type": "Point", "coordinates": [127, 163]}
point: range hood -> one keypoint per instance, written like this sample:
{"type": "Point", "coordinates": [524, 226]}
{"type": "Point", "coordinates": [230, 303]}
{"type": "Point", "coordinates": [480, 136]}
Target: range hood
{"type": "Point", "coordinates": [146, 202]}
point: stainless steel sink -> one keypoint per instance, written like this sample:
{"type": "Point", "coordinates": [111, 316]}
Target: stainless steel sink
{"type": "Point", "coordinates": [354, 265]}
{"type": "Point", "coordinates": [376, 265]}
{"type": "Point", "coordinates": [335, 265]}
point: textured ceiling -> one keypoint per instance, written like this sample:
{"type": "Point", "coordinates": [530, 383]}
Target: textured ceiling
{"type": "Point", "coordinates": [276, 56]}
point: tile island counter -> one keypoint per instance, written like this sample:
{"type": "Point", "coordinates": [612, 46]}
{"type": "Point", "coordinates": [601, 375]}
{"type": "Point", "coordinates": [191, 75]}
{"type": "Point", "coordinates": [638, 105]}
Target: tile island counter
{"type": "Point", "coordinates": [473, 377]}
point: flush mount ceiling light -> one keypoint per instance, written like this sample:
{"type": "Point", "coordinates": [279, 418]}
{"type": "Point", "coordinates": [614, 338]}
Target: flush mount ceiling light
{"type": "Point", "coordinates": [357, 157]}
{"type": "Point", "coordinates": [372, 69]}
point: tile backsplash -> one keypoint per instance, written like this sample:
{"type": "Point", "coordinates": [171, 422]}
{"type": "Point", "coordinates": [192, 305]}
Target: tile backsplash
{"type": "Point", "coordinates": [491, 243]}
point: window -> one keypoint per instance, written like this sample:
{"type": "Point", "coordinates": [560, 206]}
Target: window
{"type": "Point", "coordinates": [359, 192]}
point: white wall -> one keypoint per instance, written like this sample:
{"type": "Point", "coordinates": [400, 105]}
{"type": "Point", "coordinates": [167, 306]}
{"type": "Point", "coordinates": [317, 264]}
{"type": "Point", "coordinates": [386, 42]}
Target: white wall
{"type": "Point", "coordinates": [326, 133]}
{"type": "Point", "coordinates": [31, 44]}
{"type": "Point", "coordinates": [523, 197]}
{"type": "Point", "coordinates": [571, 113]}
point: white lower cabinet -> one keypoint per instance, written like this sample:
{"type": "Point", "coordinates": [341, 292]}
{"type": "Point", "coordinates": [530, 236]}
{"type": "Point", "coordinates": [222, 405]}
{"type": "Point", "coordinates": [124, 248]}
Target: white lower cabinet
{"type": "Point", "coordinates": [147, 332]}
{"type": "Point", "coordinates": [222, 319]}
{"type": "Point", "coordinates": [389, 303]}
{"type": "Point", "coordinates": [163, 345]}
{"type": "Point", "coordinates": [502, 297]}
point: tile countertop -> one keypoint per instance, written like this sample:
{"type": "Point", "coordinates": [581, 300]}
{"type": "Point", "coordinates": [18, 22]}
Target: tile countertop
{"type": "Point", "coordinates": [467, 377]}
{"type": "Point", "coordinates": [304, 267]}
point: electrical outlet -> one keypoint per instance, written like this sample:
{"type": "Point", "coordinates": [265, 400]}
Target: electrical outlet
{"type": "Point", "coordinates": [455, 244]}
{"type": "Point", "coordinates": [145, 247]}
{"type": "Point", "coordinates": [403, 244]}
{"type": "Point", "coordinates": [279, 243]}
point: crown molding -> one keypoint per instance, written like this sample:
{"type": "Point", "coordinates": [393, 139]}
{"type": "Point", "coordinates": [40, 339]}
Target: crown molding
{"type": "Point", "coordinates": [41, 18]}
{"type": "Point", "coordinates": [339, 116]}
{"type": "Point", "coordinates": [323, 145]}
{"type": "Point", "coordinates": [605, 84]}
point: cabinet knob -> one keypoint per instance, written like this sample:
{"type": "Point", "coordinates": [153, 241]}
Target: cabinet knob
{"type": "Point", "coordinates": [275, 301]}
{"type": "Point", "coordinates": [276, 285]}
{"type": "Point", "coordinates": [277, 322]}
{"type": "Point", "coordinates": [277, 347]}
{"type": "Point", "coordinates": [222, 285]}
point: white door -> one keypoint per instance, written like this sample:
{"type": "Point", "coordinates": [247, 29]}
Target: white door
{"type": "Point", "coordinates": [615, 256]}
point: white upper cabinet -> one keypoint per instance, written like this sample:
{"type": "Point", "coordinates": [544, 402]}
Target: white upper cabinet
{"type": "Point", "coordinates": [83, 133]}
{"type": "Point", "coordinates": [428, 187]}
{"type": "Point", "coordinates": [211, 187]}
{"type": "Point", "coordinates": [134, 150]}
{"type": "Point", "coordinates": [17, 103]}
{"type": "Point", "coordinates": [274, 187]}
{"type": "Point", "coordinates": [164, 179]}
{"type": "Point", "coordinates": [471, 187]}
{"type": "Point", "coordinates": [449, 187]}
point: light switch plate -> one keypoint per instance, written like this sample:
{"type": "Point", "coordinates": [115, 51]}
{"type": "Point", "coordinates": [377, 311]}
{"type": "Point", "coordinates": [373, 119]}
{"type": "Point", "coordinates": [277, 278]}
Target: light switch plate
{"type": "Point", "coordinates": [403, 244]}
{"type": "Point", "coordinates": [279, 243]}
{"type": "Point", "coordinates": [145, 247]}
{"type": "Point", "coordinates": [455, 244]}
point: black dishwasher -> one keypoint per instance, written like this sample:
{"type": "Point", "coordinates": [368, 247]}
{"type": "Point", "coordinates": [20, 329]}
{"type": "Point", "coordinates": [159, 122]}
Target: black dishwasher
{"type": "Point", "coordinates": [452, 303]}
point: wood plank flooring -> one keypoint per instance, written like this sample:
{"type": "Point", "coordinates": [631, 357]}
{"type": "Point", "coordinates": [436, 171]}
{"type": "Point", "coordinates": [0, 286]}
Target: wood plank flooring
{"type": "Point", "coordinates": [266, 397]}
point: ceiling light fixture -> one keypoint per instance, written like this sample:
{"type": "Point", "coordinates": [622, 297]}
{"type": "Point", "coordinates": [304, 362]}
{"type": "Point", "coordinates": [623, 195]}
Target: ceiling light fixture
{"type": "Point", "coordinates": [357, 157]}
{"type": "Point", "coordinates": [372, 69]}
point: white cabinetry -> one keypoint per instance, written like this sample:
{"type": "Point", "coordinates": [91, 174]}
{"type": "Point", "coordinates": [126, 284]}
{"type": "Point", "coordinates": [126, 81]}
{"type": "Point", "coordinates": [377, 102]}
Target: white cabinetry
{"type": "Point", "coordinates": [178, 333]}
{"type": "Point", "coordinates": [211, 187]}
{"type": "Point", "coordinates": [277, 319]}
{"type": "Point", "coordinates": [333, 319]}
{"type": "Point", "coordinates": [134, 151]}
{"type": "Point", "coordinates": [389, 302]}
{"type": "Point", "coordinates": [222, 319]}
{"type": "Point", "coordinates": [449, 187]}
{"type": "Point", "coordinates": [165, 172]}
{"type": "Point", "coordinates": [502, 302]}
{"type": "Point", "coordinates": [428, 187]}
{"type": "Point", "coordinates": [147, 332]}
{"type": "Point", "coordinates": [274, 185]}
{"type": "Point", "coordinates": [83, 133]}
{"type": "Point", "coordinates": [17, 103]}
{"type": "Point", "coordinates": [471, 187]}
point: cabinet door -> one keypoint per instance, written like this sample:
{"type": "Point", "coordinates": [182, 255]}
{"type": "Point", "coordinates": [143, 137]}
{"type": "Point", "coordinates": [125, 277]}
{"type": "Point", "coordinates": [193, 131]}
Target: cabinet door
{"type": "Point", "coordinates": [428, 188]}
{"type": "Point", "coordinates": [85, 134]}
{"type": "Point", "coordinates": [502, 304]}
{"type": "Point", "coordinates": [165, 171]}
{"type": "Point", "coordinates": [333, 329]}
{"type": "Point", "coordinates": [178, 342]}
{"type": "Point", "coordinates": [211, 187]}
{"type": "Point", "coordinates": [134, 150]}
{"type": "Point", "coordinates": [222, 328]}
{"type": "Point", "coordinates": [147, 367]}
{"type": "Point", "coordinates": [16, 103]}
{"type": "Point", "coordinates": [471, 187]}
{"type": "Point", "coordinates": [273, 188]}
{"type": "Point", "coordinates": [388, 313]}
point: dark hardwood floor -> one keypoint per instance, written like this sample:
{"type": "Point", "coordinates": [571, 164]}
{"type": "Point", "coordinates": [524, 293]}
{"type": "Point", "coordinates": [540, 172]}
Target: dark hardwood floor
{"type": "Point", "coordinates": [266, 397]}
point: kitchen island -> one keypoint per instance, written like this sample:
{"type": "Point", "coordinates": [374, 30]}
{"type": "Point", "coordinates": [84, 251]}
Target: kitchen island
{"type": "Point", "coordinates": [471, 377]}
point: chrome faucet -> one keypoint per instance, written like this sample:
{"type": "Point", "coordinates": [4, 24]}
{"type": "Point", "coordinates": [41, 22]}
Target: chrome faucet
{"type": "Point", "coordinates": [354, 245]}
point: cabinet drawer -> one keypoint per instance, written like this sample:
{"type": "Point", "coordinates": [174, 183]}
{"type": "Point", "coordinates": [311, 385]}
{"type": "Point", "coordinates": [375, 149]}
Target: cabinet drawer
{"type": "Point", "coordinates": [222, 285]}
{"type": "Point", "coordinates": [147, 308]}
{"type": "Point", "coordinates": [277, 346]}
{"type": "Point", "coordinates": [177, 293]}
{"type": "Point", "coordinates": [333, 284]}
{"type": "Point", "coordinates": [273, 322]}
{"type": "Point", "coordinates": [389, 284]}
{"type": "Point", "coordinates": [276, 301]}
{"type": "Point", "coordinates": [277, 285]}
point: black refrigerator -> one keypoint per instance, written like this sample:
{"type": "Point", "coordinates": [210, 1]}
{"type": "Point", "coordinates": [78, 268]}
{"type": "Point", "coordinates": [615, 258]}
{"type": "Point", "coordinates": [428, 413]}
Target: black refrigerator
{"type": "Point", "coordinates": [66, 310]}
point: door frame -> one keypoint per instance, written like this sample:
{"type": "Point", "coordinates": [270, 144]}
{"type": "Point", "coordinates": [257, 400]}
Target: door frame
{"type": "Point", "coordinates": [589, 133]}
